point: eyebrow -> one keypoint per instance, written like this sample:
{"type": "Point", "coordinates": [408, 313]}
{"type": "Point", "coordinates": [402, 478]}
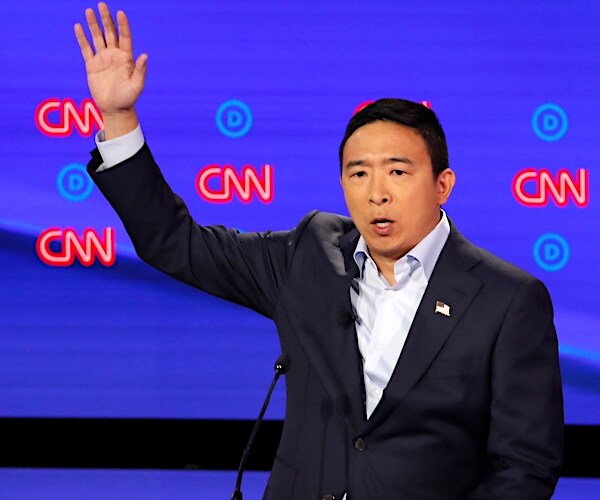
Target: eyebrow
{"type": "Point", "coordinates": [392, 159]}
{"type": "Point", "coordinates": [399, 159]}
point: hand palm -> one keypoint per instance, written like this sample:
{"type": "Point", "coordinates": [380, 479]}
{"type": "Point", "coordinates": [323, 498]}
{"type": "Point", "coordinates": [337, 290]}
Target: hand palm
{"type": "Point", "coordinates": [110, 79]}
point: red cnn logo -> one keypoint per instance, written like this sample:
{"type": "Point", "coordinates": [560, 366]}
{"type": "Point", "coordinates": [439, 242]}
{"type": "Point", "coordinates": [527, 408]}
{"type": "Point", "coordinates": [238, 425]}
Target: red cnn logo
{"type": "Point", "coordinates": [87, 248]}
{"type": "Point", "coordinates": [226, 181]}
{"type": "Point", "coordinates": [58, 118]}
{"type": "Point", "coordinates": [544, 187]}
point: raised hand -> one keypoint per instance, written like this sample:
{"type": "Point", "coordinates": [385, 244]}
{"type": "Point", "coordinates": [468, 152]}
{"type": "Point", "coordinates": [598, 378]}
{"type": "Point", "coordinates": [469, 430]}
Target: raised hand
{"type": "Point", "coordinates": [114, 79]}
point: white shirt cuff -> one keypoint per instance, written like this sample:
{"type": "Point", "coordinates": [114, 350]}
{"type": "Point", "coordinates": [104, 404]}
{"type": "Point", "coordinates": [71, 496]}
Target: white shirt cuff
{"type": "Point", "coordinates": [119, 149]}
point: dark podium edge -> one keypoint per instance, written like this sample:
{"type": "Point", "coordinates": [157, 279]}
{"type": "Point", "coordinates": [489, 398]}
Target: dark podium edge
{"type": "Point", "coordinates": [190, 444]}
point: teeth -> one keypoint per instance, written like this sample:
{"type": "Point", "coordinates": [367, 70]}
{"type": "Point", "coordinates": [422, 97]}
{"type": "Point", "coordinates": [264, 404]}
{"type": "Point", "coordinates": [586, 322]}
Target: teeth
{"type": "Point", "coordinates": [382, 224]}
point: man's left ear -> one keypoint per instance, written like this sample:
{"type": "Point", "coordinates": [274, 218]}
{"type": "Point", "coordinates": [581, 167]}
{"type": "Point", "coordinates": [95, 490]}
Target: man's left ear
{"type": "Point", "coordinates": [445, 183]}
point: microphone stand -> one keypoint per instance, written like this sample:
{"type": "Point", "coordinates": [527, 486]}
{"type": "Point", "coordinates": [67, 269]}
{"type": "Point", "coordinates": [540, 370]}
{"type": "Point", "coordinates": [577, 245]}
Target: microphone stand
{"type": "Point", "coordinates": [281, 366]}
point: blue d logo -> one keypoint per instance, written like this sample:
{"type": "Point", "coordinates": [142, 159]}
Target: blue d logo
{"type": "Point", "coordinates": [234, 118]}
{"type": "Point", "coordinates": [550, 122]}
{"type": "Point", "coordinates": [551, 252]}
{"type": "Point", "coordinates": [74, 183]}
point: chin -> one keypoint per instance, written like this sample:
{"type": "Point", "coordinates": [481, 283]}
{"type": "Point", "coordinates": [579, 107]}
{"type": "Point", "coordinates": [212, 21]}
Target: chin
{"type": "Point", "coordinates": [388, 253]}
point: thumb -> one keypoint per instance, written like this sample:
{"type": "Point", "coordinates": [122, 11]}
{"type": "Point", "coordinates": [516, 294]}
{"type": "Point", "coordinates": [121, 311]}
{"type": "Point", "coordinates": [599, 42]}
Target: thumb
{"type": "Point", "coordinates": [139, 72]}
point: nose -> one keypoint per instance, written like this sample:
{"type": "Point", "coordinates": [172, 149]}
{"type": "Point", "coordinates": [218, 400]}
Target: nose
{"type": "Point", "coordinates": [379, 194]}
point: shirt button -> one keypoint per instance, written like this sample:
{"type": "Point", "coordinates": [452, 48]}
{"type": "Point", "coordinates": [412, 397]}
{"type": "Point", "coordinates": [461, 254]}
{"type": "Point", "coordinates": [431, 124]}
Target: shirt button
{"type": "Point", "coordinates": [390, 293]}
{"type": "Point", "coordinates": [379, 347]}
{"type": "Point", "coordinates": [377, 393]}
{"type": "Point", "coordinates": [360, 444]}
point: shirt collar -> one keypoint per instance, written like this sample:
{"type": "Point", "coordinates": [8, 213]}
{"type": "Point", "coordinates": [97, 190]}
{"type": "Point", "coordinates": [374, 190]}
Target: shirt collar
{"type": "Point", "coordinates": [427, 251]}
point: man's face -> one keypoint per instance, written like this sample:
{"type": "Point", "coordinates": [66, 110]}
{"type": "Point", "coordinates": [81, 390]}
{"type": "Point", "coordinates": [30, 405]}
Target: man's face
{"type": "Point", "coordinates": [390, 190]}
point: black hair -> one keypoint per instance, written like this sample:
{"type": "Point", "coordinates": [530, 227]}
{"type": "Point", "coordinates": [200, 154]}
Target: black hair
{"type": "Point", "coordinates": [410, 114]}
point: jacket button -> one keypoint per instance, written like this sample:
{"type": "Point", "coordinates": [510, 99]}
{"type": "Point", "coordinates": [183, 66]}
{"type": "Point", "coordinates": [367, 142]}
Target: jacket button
{"type": "Point", "coordinates": [360, 444]}
{"type": "Point", "coordinates": [328, 497]}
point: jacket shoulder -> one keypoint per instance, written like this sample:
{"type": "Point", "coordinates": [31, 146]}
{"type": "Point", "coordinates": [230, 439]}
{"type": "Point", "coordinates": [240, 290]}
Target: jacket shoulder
{"type": "Point", "coordinates": [324, 226]}
{"type": "Point", "coordinates": [502, 269]}
{"type": "Point", "coordinates": [484, 264]}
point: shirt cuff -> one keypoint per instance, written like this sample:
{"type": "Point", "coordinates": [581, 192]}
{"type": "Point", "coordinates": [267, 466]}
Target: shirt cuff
{"type": "Point", "coordinates": [119, 149]}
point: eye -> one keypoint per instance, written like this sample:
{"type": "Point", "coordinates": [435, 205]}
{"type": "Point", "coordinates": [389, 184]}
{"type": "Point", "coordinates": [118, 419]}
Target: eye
{"type": "Point", "coordinates": [359, 173]}
{"type": "Point", "coordinates": [397, 171]}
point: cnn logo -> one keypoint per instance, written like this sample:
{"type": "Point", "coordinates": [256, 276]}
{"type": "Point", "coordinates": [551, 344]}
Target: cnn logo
{"type": "Point", "coordinates": [61, 117]}
{"type": "Point", "coordinates": [536, 188]}
{"type": "Point", "coordinates": [60, 247]}
{"type": "Point", "coordinates": [218, 184]}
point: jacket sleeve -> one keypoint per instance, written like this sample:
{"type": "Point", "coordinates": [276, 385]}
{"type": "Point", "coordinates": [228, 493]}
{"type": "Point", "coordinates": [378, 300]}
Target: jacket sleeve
{"type": "Point", "coordinates": [525, 443]}
{"type": "Point", "coordinates": [245, 268]}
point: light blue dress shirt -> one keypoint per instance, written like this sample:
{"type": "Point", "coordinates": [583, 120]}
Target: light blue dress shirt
{"type": "Point", "coordinates": [384, 312]}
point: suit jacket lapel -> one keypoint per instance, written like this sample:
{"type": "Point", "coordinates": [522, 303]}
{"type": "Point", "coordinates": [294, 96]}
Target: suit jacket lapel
{"type": "Point", "coordinates": [350, 364]}
{"type": "Point", "coordinates": [450, 283]}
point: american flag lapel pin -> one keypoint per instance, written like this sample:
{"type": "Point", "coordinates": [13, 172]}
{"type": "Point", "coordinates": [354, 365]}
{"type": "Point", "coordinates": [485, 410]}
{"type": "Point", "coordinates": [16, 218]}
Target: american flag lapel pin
{"type": "Point", "coordinates": [442, 308]}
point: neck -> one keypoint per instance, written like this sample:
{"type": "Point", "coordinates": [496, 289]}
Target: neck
{"type": "Point", "coordinates": [386, 268]}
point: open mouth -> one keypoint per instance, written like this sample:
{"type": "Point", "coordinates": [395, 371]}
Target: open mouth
{"type": "Point", "coordinates": [382, 225]}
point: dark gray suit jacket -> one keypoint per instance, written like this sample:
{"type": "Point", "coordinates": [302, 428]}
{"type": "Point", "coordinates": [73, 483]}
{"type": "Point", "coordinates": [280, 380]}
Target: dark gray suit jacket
{"type": "Point", "coordinates": [473, 409]}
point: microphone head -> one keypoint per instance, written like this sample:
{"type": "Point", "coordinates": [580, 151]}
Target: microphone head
{"type": "Point", "coordinates": [282, 364]}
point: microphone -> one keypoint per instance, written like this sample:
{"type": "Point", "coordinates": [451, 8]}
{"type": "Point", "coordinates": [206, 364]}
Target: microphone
{"type": "Point", "coordinates": [281, 366]}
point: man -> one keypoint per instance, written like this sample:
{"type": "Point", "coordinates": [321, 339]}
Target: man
{"type": "Point", "coordinates": [421, 367]}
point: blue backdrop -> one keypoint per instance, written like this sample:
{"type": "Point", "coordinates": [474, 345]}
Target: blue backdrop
{"type": "Point", "coordinates": [255, 83]}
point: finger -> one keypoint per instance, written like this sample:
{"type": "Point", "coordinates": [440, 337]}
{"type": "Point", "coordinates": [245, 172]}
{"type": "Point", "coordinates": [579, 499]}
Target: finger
{"type": "Point", "coordinates": [139, 72]}
{"type": "Point", "coordinates": [97, 36]}
{"type": "Point", "coordinates": [110, 32]}
{"type": "Point", "coordinates": [125, 41]}
{"type": "Point", "coordinates": [84, 44]}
